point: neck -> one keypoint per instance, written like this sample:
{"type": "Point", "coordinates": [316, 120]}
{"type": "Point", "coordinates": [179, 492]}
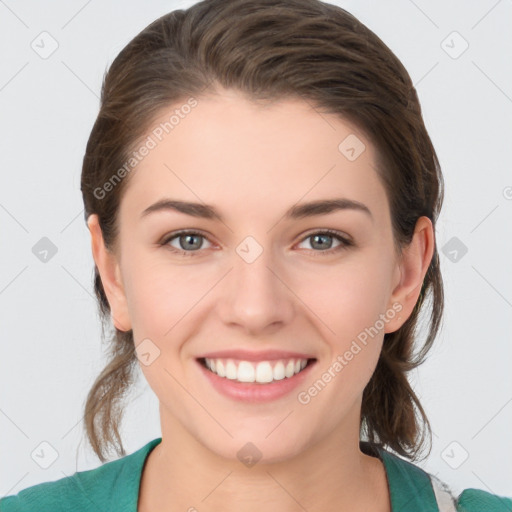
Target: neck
{"type": "Point", "coordinates": [182, 474]}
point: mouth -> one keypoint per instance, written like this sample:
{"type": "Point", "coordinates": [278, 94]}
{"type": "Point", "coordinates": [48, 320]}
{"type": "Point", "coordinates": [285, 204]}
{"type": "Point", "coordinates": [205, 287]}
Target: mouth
{"type": "Point", "coordinates": [256, 372]}
{"type": "Point", "coordinates": [252, 381]}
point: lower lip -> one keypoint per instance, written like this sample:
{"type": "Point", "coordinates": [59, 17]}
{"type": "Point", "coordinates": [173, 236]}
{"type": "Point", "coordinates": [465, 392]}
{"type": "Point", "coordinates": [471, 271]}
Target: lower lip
{"type": "Point", "coordinates": [255, 392]}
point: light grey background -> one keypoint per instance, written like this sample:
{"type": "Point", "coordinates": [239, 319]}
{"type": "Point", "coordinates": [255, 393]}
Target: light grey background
{"type": "Point", "coordinates": [50, 332]}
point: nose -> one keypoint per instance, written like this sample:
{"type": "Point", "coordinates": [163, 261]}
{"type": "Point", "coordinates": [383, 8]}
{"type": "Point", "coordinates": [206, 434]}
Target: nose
{"type": "Point", "coordinates": [255, 296]}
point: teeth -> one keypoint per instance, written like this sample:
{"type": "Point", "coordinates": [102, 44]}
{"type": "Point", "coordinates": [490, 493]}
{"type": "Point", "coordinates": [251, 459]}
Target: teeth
{"type": "Point", "coordinates": [231, 372]}
{"type": "Point", "coordinates": [290, 369]}
{"type": "Point", "coordinates": [262, 372]}
{"type": "Point", "coordinates": [245, 372]}
{"type": "Point", "coordinates": [218, 368]}
{"type": "Point", "coordinates": [278, 371]}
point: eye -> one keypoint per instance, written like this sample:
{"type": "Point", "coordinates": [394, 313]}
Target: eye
{"type": "Point", "coordinates": [190, 242]}
{"type": "Point", "coordinates": [185, 240]}
{"type": "Point", "coordinates": [321, 240]}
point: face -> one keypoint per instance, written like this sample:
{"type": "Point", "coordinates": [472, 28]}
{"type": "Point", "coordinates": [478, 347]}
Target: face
{"type": "Point", "coordinates": [260, 284]}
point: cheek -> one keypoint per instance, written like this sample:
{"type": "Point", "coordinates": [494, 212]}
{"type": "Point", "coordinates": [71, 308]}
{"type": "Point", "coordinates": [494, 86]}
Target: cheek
{"type": "Point", "coordinates": [349, 303]}
{"type": "Point", "coordinates": [160, 295]}
{"type": "Point", "coordinates": [347, 298]}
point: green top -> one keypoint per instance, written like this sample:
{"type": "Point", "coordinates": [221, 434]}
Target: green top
{"type": "Point", "coordinates": [114, 487]}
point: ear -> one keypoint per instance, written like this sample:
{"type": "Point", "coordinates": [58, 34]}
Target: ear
{"type": "Point", "coordinates": [410, 273]}
{"type": "Point", "coordinates": [110, 273]}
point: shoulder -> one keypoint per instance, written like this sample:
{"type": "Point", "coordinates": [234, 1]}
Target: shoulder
{"type": "Point", "coordinates": [58, 495]}
{"type": "Point", "coordinates": [410, 485]}
{"type": "Point", "coordinates": [476, 500]}
{"type": "Point", "coordinates": [111, 486]}
{"type": "Point", "coordinates": [469, 500]}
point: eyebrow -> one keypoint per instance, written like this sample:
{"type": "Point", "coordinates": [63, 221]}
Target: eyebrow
{"type": "Point", "coordinates": [299, 211]}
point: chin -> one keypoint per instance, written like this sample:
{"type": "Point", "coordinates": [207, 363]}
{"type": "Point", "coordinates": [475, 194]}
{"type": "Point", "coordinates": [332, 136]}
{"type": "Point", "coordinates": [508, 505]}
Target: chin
{"type": "Point", "coordinates": [253, 447]}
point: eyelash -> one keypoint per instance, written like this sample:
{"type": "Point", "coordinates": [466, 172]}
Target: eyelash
{"type": "Point", "coordinates": [345, 242]}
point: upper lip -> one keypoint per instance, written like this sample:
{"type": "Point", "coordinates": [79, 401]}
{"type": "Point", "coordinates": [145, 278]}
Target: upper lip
{"type": "Point", "coordinates": [250, 355]}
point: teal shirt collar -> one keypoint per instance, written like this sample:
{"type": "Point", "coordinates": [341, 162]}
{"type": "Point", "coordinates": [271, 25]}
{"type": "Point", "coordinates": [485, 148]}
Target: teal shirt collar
{"type": "Point", "coordinates": [115, 486]}
{"type": "Point", "coordinates": [409, 486]}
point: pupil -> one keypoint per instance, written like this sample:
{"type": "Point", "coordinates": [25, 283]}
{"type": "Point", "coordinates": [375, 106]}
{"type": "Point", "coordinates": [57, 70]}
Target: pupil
{"type": "Point", "coordinates": [316, 237]}
{"type": "Point", "coordinates": [188, 237]}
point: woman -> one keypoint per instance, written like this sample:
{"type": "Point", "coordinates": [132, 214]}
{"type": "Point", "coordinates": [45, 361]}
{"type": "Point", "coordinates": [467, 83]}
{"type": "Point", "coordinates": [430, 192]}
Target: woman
{"type": "Point", "coordinates": [285, 143]}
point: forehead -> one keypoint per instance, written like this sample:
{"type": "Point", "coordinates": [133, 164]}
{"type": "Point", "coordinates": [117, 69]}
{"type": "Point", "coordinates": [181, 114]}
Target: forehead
{"type": "Point", "coordinates": [248, 158]}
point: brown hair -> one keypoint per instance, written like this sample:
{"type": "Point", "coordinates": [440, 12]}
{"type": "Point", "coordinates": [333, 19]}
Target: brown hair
{"type": "Point", "coordinates": [271, 50]}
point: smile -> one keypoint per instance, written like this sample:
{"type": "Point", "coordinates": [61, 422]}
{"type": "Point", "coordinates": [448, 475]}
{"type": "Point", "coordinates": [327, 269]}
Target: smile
{"type": "Point", "coordinates": [262, 372]}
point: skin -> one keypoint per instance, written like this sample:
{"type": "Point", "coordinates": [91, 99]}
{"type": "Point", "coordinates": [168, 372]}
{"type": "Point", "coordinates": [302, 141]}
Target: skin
{"type": "Point", "coordinates": [253, 163]}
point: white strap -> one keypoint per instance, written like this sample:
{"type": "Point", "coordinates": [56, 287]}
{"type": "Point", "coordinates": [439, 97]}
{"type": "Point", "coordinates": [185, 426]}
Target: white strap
{"type": "Point", "coordinates": [446, 502]}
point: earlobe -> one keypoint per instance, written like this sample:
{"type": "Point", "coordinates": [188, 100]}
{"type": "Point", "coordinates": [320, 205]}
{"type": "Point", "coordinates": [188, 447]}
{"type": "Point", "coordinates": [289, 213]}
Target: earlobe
{"type": "Point", "coordinates": [412, 268]}
{"type": "Point", "coordinates": [110, 273]}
